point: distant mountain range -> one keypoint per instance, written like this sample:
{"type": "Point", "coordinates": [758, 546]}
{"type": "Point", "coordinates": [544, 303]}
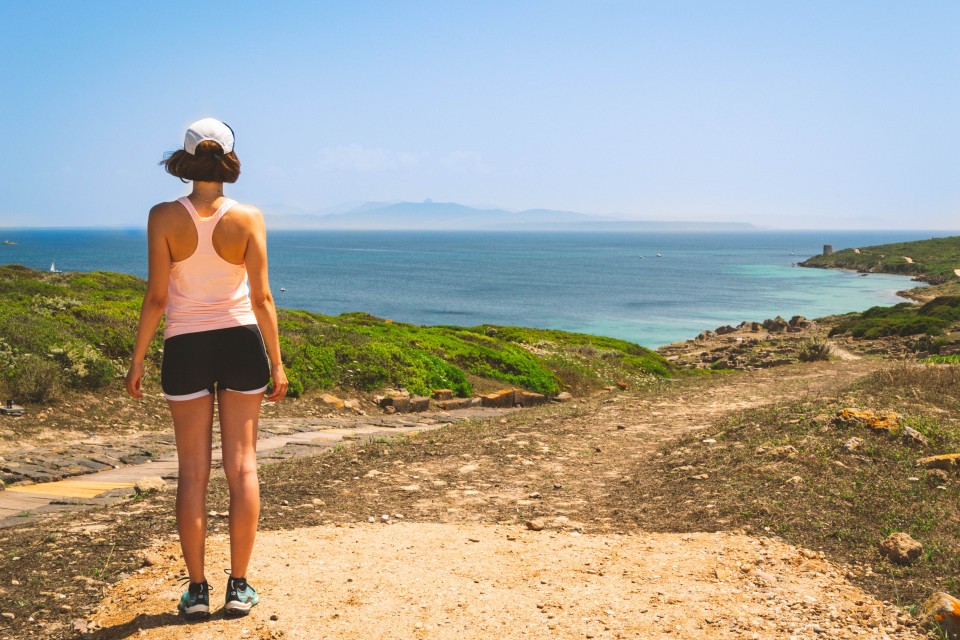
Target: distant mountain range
{"type": "Point", "coordinates": [450, 216]}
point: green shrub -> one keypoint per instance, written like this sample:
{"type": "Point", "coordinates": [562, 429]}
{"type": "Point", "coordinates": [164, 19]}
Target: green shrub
{"type": "Point", "coordinates": [813, 350]}
{"type": "Point", "coordinates": [83, 367]}
{"type": "Point", "coordinates": [34, 379]}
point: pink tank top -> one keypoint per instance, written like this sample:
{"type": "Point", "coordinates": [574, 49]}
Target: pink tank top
{"type": "Point", "coordinates": [206, 292]}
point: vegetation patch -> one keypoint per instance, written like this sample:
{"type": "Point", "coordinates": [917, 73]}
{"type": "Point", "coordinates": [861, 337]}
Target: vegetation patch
{"type": "Point", "coordinates": [797, 472]}
{"type": "Point", "coordinates": [82, 328]}
{"type": "Point", "coordinates": [904, 319]}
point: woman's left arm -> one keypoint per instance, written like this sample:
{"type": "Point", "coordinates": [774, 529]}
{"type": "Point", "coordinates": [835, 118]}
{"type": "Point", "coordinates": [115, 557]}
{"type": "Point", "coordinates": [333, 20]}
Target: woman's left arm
{"type": "Point", "coordinates": [261, 300]}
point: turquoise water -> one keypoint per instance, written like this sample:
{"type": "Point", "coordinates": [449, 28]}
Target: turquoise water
{"type": "Point", "coordinates": [590, 282]}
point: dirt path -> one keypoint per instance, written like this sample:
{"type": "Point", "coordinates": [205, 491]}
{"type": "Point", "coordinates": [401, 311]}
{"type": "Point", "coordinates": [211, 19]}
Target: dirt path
{"type": "Point", "coordinates": [456, 561]}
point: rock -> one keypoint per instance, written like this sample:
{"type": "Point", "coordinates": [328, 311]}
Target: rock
{"type": "Point", "coordinates": [499, 399]}
{"type": "Point", "coordinates": [398, 400]}
{"type": "Point", "coordinates": [563, 397]}
{"type": "Point", "coordinates": [332, 401]}
{"type": "Point", "coordinates": [419, 403]}
{"type": "Point", "coordinates": [149, 484]}
{"type": "Point", "coordinates": [785, 451]}
{"type": "Point", "coordinates": [795, 481]}
{"type": "Point", "coordinates": [879, 421]}
{"type": "Point", "coordinates": [940, 612]}
{"type": "Point", "coordinates": [724, 330]}
{"type": "Point", "coordinates": [352, 404]}
{"type": "Point", "coordinates": [799, 322]}
{"type": "Point", "coordinates": [769, 578]}
{"type": "Point", "coordinates": [7, 615]}
{"type": "Point", "coordinates": [948, 461]}
{"type": "Point", "coordinates": [901, 548]}
{"type": "Point", "coordinates": [937, 477]}
{"type": "Point", "coordinates": [535, 494]}
{"type": "Point", "coordinates": [456, 403]}
{"type": "Point", "coordinates": [622, 385]}
{"type": "Point", "coordinates": [853, 444]}
{"type": "Point", "coordinates": [79, 626]}
{"type": "Point", "coordinates": [775, 325]}
{"type": "Point", "coordinates": [528, 398]}
{"type": "Point", "coordinates": [537, 524]}
{"type": "Point", "coordinates": [443, 394]}
{"type": "Point", "coordinates": [151, 560]}
{"type": "Point", "coordinates": [913, 435]}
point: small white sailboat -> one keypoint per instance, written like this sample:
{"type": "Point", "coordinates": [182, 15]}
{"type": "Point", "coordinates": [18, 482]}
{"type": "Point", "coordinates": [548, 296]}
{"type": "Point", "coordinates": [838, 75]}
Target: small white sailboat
{"type": "Point", "coordinates": [53, 267]}
{"type": "Point", "coordinates": [282, 289]}
{"type": "Point", "coordinates": [659, 255]}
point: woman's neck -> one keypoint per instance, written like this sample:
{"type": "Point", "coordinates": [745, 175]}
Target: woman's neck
{"type": "Point", "coordinates": [206, 192]}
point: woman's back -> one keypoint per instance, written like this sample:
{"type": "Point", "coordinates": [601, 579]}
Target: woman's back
{"type": "Point", "coordinates": [208, 287]}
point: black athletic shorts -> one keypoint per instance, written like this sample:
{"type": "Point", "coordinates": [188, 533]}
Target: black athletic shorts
{"type": "Point", "coordinates": [195, 364]}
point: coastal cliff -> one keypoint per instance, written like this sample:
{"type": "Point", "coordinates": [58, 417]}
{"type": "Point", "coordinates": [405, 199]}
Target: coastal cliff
{"type": "Point", "coordinates": [933, 261]}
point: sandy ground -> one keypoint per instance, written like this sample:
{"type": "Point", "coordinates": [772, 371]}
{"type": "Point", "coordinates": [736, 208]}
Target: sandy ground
{"type": "Point", "coordinates": [444, 581]}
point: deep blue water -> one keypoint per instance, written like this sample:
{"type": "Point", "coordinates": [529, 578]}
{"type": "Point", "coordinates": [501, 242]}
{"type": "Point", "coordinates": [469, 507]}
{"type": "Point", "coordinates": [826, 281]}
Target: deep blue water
{"type": "Point", "coordinates": [590, 282]}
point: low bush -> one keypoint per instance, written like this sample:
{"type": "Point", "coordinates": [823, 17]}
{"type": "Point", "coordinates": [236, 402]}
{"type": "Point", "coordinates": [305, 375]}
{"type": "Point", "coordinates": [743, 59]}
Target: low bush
{"type": "Point", "coordinates": [34, 379]}
{"type": "Point", "coordinates": [813, 350]}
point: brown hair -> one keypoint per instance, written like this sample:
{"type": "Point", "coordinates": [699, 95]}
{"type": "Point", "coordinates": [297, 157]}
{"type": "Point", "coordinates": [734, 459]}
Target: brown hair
{"type": "Point", "coordinates": [208, 164]}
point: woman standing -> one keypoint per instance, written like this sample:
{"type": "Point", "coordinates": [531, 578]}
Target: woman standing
{"type": "Point", "coordinates": [208, 274]}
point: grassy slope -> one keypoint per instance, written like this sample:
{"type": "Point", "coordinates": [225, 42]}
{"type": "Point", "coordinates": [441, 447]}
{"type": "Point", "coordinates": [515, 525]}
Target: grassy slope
{"type": "Point", "coordinates": [933, 260]}
{"type": "Point", "coordinates": [845, 501]}
{"type": "Point", "coordinates": [97, 313]}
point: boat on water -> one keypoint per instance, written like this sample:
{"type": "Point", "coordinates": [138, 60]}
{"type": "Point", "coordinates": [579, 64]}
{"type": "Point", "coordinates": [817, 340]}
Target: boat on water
{"type": "Point", "coordinates": [9, 242]}
{"type": "Point", "coordinates": [659, 255]}
{"type": "Point", "coordinates": [53, 267]}
{"type": "Point", "coordinates": [282, 289]}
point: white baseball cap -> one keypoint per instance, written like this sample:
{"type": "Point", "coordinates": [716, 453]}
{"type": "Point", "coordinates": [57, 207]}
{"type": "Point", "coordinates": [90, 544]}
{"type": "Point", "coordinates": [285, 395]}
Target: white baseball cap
{"type": "Point", "coordinates": [208, 129]}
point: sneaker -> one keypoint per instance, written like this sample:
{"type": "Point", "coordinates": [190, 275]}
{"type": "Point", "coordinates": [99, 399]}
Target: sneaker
{"type": "Point", "coordinates": [241, 597]}
{"type": "Point", "coordinates": [195, 601]}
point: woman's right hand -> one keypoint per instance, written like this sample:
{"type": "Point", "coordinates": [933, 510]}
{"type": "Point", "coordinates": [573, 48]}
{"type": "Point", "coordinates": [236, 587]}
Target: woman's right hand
{"type": "Point", "coordinates": [134, 378]}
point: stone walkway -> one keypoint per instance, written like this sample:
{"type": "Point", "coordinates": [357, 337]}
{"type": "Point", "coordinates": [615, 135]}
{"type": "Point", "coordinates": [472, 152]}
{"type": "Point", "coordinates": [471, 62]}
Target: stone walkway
{"type": "Point", "coordinates": [53, 480]}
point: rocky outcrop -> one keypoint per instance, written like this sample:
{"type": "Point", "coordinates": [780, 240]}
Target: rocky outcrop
{"type": "Point", "coordinates": [900, 548]}
{"type": "Point", "coordinates": [878, 421]}
{"type": "Point", "coordinates": [947, 461]}
{"type": "Point", "coordinates": [941, 613]}
{"type": "Point", "coordinates": [150, 484]}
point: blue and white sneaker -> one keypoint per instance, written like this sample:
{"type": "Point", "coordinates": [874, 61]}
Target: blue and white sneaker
{"type": "Point", "coordinates": [241, 597]}
{"type": "Point", "coordinates": [195, 601]}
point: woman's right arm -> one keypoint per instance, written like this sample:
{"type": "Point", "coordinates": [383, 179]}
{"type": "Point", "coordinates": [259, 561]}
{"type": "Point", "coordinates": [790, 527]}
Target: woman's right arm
{"type": "Point", "coordinates": [154, 301]}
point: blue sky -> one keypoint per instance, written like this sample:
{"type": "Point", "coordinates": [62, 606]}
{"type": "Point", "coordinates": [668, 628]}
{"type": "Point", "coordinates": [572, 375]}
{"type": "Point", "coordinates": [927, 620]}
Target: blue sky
{"type": "Point", "coordinates": [794, 115]}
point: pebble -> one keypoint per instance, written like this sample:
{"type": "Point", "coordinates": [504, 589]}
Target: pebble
{"type": "Point", "coordinates": [535, 494]}
{"type": "Point", "coordinates": [8, 615]}
{"type": "Point", "coordinates": [371, 519]}
{"type": "Point", "coordinates": [274, 617]}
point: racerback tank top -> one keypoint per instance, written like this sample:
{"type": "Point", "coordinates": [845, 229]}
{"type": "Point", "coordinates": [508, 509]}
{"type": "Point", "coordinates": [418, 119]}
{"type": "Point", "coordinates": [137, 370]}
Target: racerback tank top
{"type": "Point", "coordinates": [206, 292]}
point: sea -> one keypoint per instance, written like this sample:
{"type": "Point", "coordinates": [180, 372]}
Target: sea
{"type": "Point", "coordinates": [649, 288]}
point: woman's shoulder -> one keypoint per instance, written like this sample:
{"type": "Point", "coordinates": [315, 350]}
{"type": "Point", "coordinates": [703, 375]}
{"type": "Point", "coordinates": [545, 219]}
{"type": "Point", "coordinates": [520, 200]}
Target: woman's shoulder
{"type": "Point", "coordinates": [245, 210]}
{"type": "Point", "coordinates": [245, 216]}
{"type": "Point", "coordinates": [167, 213]}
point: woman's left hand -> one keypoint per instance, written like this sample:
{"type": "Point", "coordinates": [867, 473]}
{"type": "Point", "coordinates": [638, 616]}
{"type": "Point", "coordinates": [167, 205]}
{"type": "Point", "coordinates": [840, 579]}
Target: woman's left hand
{"type": "Point", "coordinates": [279, 383]}
{"type": "Point", "coordinates": [133, 379]}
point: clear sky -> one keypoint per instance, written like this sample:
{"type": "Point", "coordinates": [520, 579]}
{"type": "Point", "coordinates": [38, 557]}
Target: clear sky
{"type": "Point", "coordinates": [786, 114]}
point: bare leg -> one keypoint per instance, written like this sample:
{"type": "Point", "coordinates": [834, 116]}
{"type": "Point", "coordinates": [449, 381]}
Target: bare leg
{"type": "Point", "coordinates": [239, 417]}
{"type": "Point", "coordinates": [193, 426]}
